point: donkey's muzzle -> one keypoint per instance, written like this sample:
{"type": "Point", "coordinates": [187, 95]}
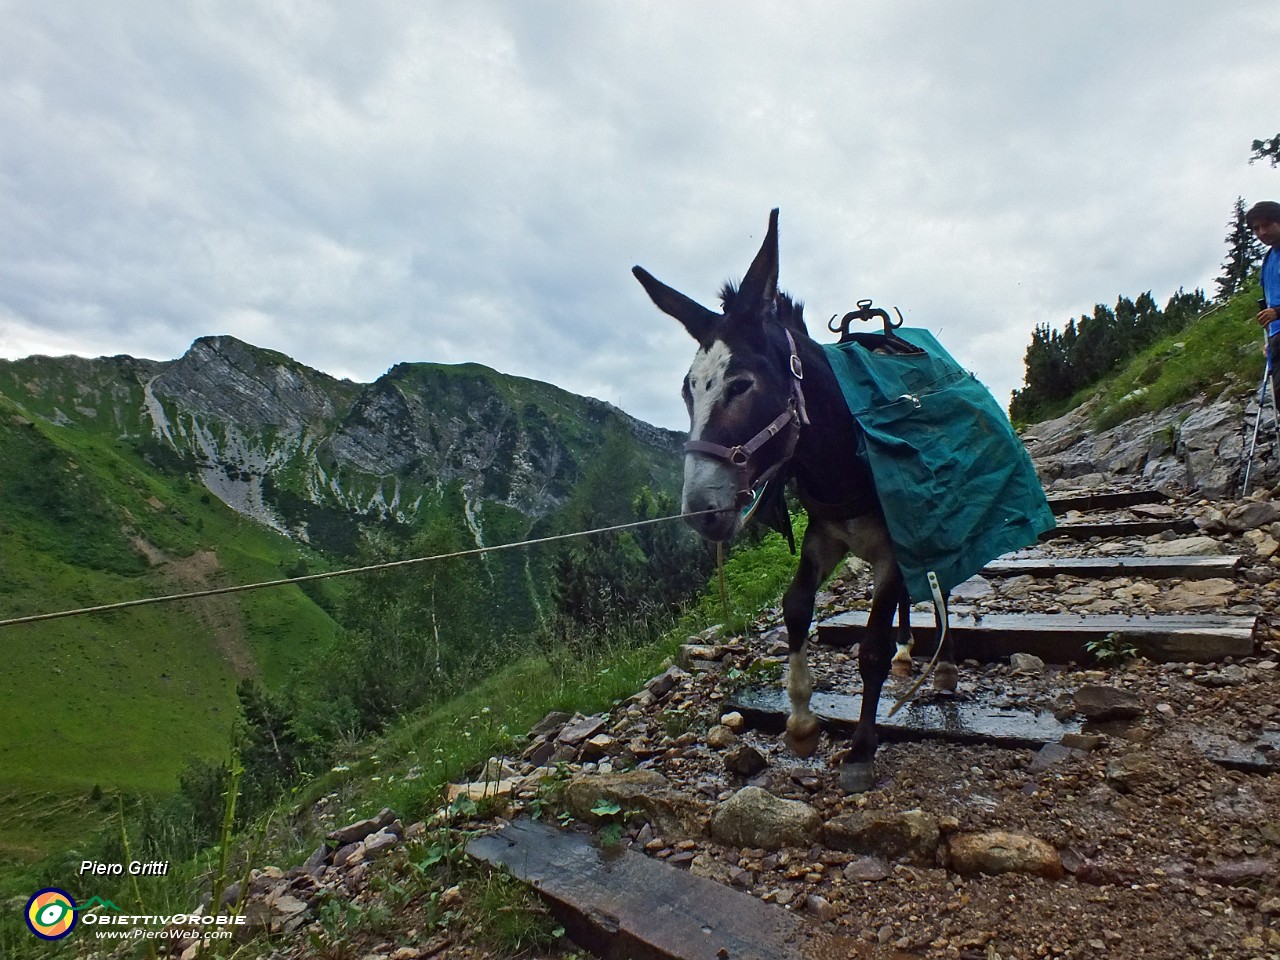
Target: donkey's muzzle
{"type": "Point", "coordinates": [710, 520]}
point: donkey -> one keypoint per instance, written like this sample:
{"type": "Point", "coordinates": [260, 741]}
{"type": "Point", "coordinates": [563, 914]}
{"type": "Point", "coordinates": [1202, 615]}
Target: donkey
{"type": "Point", "coordinates": [763, 402]}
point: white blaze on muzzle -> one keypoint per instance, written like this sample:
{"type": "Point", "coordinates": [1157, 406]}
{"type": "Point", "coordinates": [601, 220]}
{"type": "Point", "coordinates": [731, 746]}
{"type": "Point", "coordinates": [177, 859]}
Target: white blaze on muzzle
{"type": "Point", "coordinates": [725, 478]}
{"type": "Point", "coordinates": [713, 481]}
{"type": "Point", "coordinates": [708, 377]}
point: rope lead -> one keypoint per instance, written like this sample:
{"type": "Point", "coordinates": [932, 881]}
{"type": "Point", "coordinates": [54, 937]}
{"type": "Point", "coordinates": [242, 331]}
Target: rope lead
{"type": "Point", "coordinates": [940, 613]}
{"type": "Point", "coordinates": [241, 588]}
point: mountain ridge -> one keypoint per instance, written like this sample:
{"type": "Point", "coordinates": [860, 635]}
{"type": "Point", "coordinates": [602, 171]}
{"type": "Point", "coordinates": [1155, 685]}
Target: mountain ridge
{"type": "Point", "coordinates": [242, 415]}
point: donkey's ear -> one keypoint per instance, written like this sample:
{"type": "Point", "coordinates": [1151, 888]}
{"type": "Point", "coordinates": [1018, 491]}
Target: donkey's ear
{"type": "Point", "coordinates": [760, 285]}
{"type": "Point", "coordinates": [697, 319]}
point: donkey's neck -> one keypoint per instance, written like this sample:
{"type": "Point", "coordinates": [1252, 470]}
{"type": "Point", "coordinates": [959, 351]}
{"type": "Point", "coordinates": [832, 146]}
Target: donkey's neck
{"type": "Point", "coordinates": [830, 476]}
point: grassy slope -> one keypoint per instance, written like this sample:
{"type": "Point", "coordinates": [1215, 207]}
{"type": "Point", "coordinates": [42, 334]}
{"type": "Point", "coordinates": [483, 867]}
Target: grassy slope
{"type": "Point", "coordinates": [122, 700]}
{"type": "Point", "coordinates": [408, 767]}
{"type": "Point", "coordinates": [1222, 350]}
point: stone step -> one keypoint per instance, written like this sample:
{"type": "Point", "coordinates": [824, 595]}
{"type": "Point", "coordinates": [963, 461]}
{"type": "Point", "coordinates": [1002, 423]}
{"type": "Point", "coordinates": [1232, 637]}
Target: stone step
{"type": "Point", "coordinates": [618, 903]}
{"type": "Point", "coordinates": [1061, 637]}
{"type": "Point", "coordinates": [1123, 528]}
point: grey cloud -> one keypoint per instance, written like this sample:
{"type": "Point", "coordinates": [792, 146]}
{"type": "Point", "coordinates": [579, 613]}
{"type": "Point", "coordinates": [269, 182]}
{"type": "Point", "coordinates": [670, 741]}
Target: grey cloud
{"type": "Point", "coordinates": [358, 186]}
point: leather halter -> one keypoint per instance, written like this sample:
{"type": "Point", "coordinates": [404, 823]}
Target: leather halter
{"type": "Point", "coordinates": [740, 457]}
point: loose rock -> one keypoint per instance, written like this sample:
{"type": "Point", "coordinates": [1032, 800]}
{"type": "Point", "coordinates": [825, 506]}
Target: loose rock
{"type": "Point", "coordinates": [1000, 852]}
{"type": "Point", "coordinates": [753, 817]}
{"type": "Point", "coordinates": [911, 837]}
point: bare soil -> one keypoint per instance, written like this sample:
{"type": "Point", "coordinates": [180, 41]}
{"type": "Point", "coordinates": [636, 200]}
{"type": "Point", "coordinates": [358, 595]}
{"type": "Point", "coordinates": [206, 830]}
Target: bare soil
{"type": "Point", "coordinates": [220, 615]}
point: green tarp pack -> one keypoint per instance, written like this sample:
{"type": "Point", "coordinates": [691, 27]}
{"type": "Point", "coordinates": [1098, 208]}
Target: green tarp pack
{"type": "Point", "coordinates": [957, 486]}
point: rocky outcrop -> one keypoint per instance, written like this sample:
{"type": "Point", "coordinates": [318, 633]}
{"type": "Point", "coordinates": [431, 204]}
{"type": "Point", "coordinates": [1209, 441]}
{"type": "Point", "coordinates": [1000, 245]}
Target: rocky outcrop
{"type": "Point", "coordinates": [226, 380]}
{"type": "Point", "coordinates": [1198, 444]}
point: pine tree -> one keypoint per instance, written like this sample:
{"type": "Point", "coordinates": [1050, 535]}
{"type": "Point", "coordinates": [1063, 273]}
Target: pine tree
{"type": "Point", "coordinates": [1088, 348]}
{"type": "Point", "coordinates": [1267, 150]}
{"type": "Point", "coordinates": [1243, 255]}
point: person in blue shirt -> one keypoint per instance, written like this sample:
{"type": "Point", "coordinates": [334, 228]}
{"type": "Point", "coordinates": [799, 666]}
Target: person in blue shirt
{"type": "Point", "coordinates": [1264, 220]}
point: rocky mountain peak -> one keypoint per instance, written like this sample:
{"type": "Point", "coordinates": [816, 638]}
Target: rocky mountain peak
{"type": "Point", "coordinates": [227, 379]}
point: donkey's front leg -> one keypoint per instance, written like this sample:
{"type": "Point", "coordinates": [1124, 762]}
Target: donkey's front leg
{"type": "Point", "coordinates": [857, 767]}
{"type": "Point", "coordinates": [819, 554]}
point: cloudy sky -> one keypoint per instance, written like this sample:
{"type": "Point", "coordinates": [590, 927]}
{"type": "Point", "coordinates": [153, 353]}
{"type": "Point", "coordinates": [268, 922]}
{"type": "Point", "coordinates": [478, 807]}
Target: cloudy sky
{"type": "Point", "coordinates": [358, 185]}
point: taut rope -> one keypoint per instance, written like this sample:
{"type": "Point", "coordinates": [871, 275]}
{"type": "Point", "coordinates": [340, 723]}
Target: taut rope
{"type": "Point", "coordinates": [352, 571]}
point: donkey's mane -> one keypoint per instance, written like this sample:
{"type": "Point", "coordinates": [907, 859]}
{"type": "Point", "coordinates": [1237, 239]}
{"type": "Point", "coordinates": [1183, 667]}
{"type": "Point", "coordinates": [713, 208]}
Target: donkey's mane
{"type": "Point", "coordinates": [790, 312]}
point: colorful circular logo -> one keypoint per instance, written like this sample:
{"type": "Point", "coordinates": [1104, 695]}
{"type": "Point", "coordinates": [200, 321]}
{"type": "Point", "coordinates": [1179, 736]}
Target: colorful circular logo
{"type": "Point", "coordinates": [51, 914]}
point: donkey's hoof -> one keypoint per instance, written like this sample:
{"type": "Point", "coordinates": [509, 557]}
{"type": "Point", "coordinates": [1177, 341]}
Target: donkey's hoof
{"type": "Point", "coordinates": [902, 668]}
{"type": "Point", "coordinates": [946, 677]}
{"type": "Point", "coordinates": [803, 745]}
{"type": "Point", "coordinates": [857, 777]}
{"type": "Point", "coordinates": [803, 739]}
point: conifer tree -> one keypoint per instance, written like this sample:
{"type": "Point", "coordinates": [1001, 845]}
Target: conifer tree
{"type": "Point", "coordinates": [1058, 364]}
{"type": "Point", "coordinates": [1267, 150]}
{"type": "Point", "coordinates": [1243, 254]}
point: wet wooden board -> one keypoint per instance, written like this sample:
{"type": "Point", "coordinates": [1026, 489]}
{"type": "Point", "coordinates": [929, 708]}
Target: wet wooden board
{"type": "Point", "coordinates": [980, 720]}
{"type": "Point", "coordinates": [1104, 500]}
{"type": "Point", "coordinates": [1061, 637]}
{"type": "Point", "coordinates": [621, 904]}
{"type": "Point", "coordinates": [967, 719]}
{"type": "Point", "coordinates": [1258, 755]}
{"type": "Point", "coordinates": [1154, 568]}
{"type": "Point", "coordinates": [1125, 528]}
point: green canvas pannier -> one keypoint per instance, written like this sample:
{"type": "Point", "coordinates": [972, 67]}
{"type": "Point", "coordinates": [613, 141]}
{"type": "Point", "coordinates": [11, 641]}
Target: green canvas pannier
{"type": "Point", "coordinates": [956, 484]}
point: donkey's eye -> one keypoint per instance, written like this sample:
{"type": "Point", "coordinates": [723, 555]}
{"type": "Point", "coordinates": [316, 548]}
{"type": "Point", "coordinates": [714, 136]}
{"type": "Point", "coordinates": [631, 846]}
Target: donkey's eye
{"type": "Point", "coordinates": [737, 388]}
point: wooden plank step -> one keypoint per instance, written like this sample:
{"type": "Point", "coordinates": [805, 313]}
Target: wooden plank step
{"type": "Point", "coordinates": [622, 904]}
{"type": "Point", "coordinates": [1104, 500]}
{"type": "Point", "coordinates": [956, 719]}
{"type": "Point", "coordinates": [1126, 528]}
{"type": "Point", "coordinates": [1259, 755]}
{"type": "Point", "coordinates": [1061, 637]}
{"type": "Point", "coordinates": [1154, 568]}
{"type": "Point", "coordinates": [976, 720]}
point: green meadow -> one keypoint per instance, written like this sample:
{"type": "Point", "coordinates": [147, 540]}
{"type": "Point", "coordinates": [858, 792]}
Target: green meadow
{"type": "Point", "coordinates": [122, 700]}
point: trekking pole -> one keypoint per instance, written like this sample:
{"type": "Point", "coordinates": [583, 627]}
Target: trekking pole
{"type": "Point", "coordinates": [1257, 422]}
{"type": "Point", "coordinates": [1275, 416]}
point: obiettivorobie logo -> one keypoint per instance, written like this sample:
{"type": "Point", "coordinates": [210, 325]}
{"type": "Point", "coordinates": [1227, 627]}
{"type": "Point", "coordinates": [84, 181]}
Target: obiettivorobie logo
{"type": "Point", "coordinates": [51, 913]}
